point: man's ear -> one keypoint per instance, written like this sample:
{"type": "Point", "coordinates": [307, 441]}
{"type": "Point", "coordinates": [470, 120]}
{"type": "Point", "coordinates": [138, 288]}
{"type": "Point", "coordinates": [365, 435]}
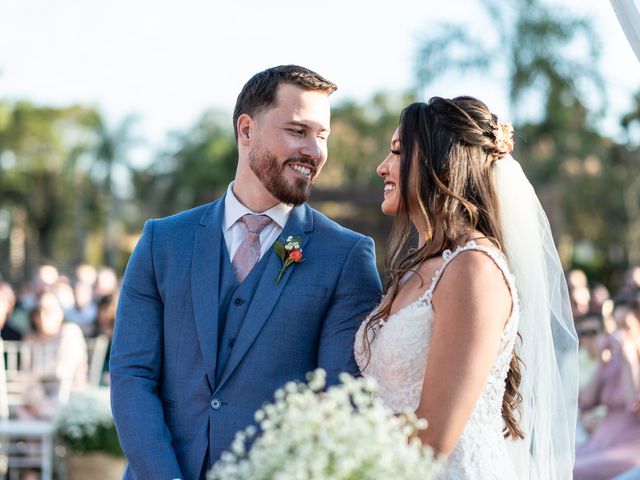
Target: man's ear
{"type": "Point", "coordinates": [245, 126]}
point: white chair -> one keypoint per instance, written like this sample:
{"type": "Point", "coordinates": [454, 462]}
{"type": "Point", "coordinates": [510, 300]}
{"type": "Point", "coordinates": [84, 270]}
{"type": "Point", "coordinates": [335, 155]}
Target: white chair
{"type": "Point", "coordinates": [97, 348]}
{"type": "Point", "coordinates": [24, 444]}
{"type": "Point", "coordinates": [25, 362]}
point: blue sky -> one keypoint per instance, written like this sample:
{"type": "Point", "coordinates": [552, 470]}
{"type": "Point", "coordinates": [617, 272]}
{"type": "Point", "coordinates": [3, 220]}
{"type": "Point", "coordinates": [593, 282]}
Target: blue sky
{"type": "Point", "coordinates": [170, 61]}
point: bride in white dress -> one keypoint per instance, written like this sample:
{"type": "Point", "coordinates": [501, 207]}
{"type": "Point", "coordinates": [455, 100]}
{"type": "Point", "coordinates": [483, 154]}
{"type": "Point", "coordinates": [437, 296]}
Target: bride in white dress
{"type": "Point", "coordinates": [474, 333]}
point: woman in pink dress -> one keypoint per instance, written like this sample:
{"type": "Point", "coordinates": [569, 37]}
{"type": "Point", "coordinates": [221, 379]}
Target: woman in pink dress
{"type": "Point", "coordinates": [614, 445]}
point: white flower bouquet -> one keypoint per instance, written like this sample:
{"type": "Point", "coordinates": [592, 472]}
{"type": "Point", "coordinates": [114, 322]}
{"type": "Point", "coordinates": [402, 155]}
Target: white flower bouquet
{"type": "Point", "coordinates": [85, 423]}
{"type": "Point", "coordinates": [343, 433]}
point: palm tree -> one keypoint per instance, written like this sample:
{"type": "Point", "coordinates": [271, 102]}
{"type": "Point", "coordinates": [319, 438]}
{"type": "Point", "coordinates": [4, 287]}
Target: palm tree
{"type": "Point", "coordinates": [629, 156]}
{"type": "Point", "coordinates": [528, 44]}
{"type": "Point", "coordinates": [112, 149]}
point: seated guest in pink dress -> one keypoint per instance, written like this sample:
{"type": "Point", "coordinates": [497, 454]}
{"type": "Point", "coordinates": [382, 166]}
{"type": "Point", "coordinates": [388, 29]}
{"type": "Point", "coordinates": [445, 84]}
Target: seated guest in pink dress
{"type": "Point", "coordinates": [614, 445]}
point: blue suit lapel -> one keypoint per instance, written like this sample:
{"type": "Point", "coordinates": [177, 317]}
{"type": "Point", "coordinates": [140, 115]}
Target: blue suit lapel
{"type": "Point", "coordinates": [267, 294]}
{"type": "Point", "coordinates": [205, 284]}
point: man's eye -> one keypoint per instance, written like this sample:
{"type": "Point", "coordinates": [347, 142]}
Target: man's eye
{"type": "Point", "coordinates": [296, 131]}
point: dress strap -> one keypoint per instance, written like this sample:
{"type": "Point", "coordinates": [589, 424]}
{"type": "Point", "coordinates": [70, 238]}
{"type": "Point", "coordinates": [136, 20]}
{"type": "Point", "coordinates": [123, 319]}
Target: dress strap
{"type": "Point", "coordinates": [496, 255]}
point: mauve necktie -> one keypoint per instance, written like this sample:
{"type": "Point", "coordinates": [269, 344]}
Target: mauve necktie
{"type": "Point", "coordinates": [248, 252]}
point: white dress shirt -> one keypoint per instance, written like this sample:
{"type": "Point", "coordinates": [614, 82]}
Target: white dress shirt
{"type": "Point", "coordinates": [235, 231]}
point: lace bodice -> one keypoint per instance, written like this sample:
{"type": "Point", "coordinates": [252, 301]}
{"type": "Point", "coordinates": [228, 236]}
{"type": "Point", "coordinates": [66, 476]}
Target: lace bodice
{"type": "Point", "coordinates": [399, 352]}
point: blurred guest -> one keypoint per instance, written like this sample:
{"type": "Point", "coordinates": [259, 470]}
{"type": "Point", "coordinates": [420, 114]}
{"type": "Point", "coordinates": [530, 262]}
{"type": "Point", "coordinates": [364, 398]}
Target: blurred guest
{"type": "Point", "coordinates": [578, 292]}
{"type": "Point", "coordinates": [106, 321]}
{"type": "Point", "coordinates": [86, 274]}
{"type": "Point", "coordinates": [576, 278]}
{"type": "Point", "coordinates": [614, 445]}
{"type": "Point", "coordinates": [85, 310]}
{"type": "Point", "coordinates": [26, 302]}
{"type": "Point", "coordinates": [59, 358]}
{"type": "Point", "coordinates": [28, 296]}
{"type": "Point", "coordinates": [632, 278]}
{"type": "Point", "coordinates": [590, 329]}
{"type": "Point", "coordinates": [634, 473]}
{"type": "Point", "coordinates": [107, 314]}
{"type": "Point", "coordinates": [64, 293]}
{"type": "Point", "coordinates": [598, 297]}
{"type": "Point", "coordinates": [630, 284]}
{"type": "Point", "coordinates": [580, 300]}
{"type": "Point", "coordinates": [607, 316]}
{"type": "Point", "coordinates": [106, 283]}
{"type": "Point", "coordinates": [45, 277]}
{"type": "Point", "coordinates": [7, 304]}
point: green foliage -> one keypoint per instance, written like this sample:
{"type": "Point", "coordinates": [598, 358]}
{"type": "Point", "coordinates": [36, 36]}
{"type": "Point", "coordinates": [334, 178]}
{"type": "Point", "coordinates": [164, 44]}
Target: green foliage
{"type": "Point", "coordinates": [104, 439]}
{"type": "Point", "coordinates": [111, 152]}
{"type": "Point", "coordinates": [548, 56]}
{"type": "Point", "coordinates": [40, 148]}
{"type": "Point", "coordinates": [195, 170]}
{"type": "Point", "coordinates": [85, 423]}
{"type": "Point", "coordinates": [578, 180]}
{"type": "Point", "coordinates": [360, 138]}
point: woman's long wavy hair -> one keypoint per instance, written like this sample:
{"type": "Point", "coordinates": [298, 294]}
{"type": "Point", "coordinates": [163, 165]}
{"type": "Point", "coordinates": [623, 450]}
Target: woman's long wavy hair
{"type": "Point", "coordinates": [448, 148]}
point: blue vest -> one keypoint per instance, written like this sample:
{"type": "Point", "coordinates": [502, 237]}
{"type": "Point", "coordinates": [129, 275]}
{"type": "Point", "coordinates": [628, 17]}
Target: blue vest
{"type": "Point", "coordinates": [234, 301]}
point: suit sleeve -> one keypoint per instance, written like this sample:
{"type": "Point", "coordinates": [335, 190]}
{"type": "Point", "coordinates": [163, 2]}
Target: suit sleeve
{"type": "Point", "coordinates": [357, 292]}
{"type": "Point", "coordinates": [135, 369]}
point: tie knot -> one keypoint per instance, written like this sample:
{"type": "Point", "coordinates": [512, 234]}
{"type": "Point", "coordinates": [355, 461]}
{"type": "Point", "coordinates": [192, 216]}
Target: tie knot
{"type": "Point", "coordinates": [255, 223]}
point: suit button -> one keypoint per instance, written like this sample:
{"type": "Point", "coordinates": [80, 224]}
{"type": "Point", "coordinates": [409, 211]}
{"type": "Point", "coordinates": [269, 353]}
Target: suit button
{"type": "Point", "coordinates": [238, 301]}
{"type": "Point", "coordinates": [215, 404]}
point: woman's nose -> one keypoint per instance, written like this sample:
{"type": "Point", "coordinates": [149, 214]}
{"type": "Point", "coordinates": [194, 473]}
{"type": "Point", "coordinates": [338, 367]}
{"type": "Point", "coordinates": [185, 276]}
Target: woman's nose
{"type": "Point", "coordinates": [382, 169]}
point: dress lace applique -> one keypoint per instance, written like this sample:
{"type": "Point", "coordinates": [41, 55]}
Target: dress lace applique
{"type": "Point", "coordinates": [398, 356]}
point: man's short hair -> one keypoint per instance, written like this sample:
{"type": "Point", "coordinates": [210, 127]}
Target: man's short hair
{"type": "Point", "coordinates": [259, 93]}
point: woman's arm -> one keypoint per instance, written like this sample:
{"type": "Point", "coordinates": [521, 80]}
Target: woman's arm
{"type": "Point", "coordinates": [472, 303]}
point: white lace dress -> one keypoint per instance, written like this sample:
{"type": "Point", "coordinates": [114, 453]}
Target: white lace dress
{"type": "Point", "coordinates": [398, 360]}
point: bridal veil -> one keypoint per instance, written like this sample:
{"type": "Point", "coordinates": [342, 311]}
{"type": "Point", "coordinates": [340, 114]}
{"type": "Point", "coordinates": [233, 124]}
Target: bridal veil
{"type": "Point", "coordinates": [548, 344]}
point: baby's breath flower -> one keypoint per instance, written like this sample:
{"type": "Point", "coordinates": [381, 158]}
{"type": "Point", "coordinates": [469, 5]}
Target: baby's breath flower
{"type": "Point", "coordinates": [85, 423]}
{"type": "Point", "coordinates": [279, 394]}
{"type": "Point", "coordinates": [344, 432]}
{"type": "Point", "coordinates": [291, 387]}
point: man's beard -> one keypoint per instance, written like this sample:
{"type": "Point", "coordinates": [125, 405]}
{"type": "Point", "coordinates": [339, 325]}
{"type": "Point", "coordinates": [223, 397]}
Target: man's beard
{"type": "Point", "coordinates": [265, 166]}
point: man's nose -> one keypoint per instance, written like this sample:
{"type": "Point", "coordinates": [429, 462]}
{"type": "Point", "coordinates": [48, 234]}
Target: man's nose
{"type": "Point", "coordinates": [313, 149]}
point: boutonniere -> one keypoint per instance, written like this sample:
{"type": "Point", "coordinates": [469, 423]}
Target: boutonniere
{"type": "Point", "coordinates": [289, 252]}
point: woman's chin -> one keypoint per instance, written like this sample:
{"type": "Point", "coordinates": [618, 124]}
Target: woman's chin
{"type": "Point", "coordinates": [389, 210]}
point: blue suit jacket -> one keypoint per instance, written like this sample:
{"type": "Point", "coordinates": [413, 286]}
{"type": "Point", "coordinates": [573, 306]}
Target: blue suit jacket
{"type": "Point", "coordinates": [169, 410]}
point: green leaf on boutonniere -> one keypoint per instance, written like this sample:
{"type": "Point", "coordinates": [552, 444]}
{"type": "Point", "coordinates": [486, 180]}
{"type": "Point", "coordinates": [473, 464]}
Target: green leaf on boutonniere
{"type": "Point", "coordinates": [279, 248]}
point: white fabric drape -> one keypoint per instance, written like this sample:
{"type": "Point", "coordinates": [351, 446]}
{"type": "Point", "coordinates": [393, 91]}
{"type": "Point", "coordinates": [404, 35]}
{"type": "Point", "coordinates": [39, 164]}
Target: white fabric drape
{"type": "Point", "coordinates": [628, 13]}
{"type": "Point", "coordinates": [549, 347]}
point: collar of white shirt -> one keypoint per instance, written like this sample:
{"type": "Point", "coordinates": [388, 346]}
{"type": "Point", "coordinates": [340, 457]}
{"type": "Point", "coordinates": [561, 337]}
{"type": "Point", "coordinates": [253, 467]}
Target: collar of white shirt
{"type": "Point", "coordinates": [234, 210]}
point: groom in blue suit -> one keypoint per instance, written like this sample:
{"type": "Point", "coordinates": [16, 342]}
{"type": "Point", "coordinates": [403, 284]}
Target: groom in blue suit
{"type": "Point", "coordinates": [205, 330]}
